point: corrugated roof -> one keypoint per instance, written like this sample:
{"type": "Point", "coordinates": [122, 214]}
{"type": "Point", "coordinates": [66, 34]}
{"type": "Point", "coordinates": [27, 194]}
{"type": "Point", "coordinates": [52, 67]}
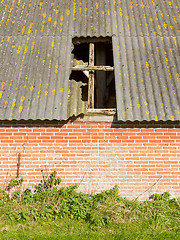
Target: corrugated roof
{"type": "Point", "coordinates": [147, 78]}
{"type": "Point", "coordinates": [147, 59]}
{"type": "Point", "coordinates": [34, 77]}
{"type": "Point", "coordinates": [35, 54]}
{"type": "Point", "coordinates": [93, 18]}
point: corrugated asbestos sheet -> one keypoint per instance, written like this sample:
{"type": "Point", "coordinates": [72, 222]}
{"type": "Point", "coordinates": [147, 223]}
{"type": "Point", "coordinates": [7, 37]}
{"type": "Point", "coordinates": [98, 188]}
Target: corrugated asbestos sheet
{"type": "Point", "coordinates": [35, 54]}
{"type": "Point", "coordinates": [147, 59]}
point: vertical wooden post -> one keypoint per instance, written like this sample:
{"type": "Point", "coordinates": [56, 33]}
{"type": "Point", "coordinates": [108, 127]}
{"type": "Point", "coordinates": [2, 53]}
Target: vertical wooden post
{"type": "Point", "coordinates": [101, 84]}
{"type": "Point", "coordinates": [91, 77]}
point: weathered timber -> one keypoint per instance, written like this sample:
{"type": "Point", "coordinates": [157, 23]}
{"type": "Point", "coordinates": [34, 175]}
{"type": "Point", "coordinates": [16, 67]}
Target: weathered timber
{"type": "Point", "coordinates": [92, 68]}
{"type": "Point", "coordinates": [91, 77]}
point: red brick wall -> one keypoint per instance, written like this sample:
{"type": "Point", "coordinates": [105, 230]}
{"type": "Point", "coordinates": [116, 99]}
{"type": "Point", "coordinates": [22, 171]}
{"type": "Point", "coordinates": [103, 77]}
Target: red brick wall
{"type": "Point", "coordinates": [95, 155]}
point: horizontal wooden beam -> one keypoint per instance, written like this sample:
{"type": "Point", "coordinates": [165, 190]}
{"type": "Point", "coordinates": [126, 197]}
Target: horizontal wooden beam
{"type": "Point", "coordinates": [98, 111]}
{"type": "Point", "coordinates": [92, 68]}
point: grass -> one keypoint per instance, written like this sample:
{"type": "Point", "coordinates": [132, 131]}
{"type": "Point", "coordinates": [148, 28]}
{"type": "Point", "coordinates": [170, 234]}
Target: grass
{"type": "Point", "coordinates": [79, 230]}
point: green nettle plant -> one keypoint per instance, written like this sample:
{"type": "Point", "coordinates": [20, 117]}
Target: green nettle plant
{"type": "Point", "coordinates": [48, 202]}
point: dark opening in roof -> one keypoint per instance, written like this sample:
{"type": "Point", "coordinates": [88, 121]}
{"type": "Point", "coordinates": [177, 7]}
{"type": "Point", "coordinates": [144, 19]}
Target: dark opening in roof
{"type": "Point", "coordinates": [103, 81]}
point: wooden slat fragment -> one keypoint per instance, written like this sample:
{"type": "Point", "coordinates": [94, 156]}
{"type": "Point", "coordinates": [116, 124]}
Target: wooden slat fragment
{"type": "Point", "coordinates": [92, 68]}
